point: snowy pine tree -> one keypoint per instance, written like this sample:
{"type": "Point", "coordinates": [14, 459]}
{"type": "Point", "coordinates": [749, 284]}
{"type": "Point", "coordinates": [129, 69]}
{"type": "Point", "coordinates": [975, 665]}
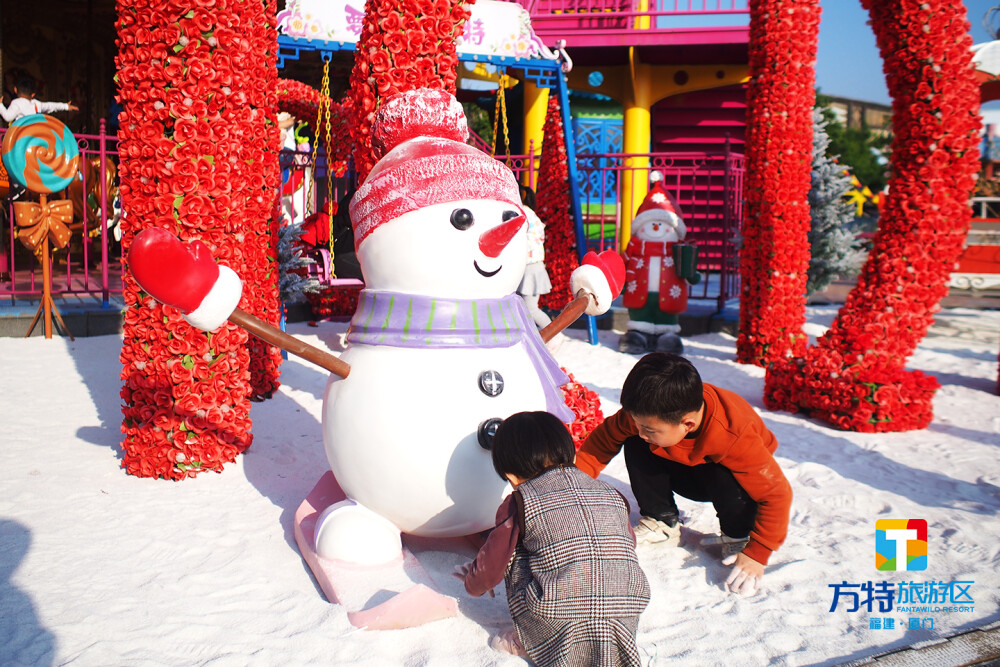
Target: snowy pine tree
{"type": "Point", "coordinates": [293, 284]}
{"type": "Point", "coordinates": [833, 244]}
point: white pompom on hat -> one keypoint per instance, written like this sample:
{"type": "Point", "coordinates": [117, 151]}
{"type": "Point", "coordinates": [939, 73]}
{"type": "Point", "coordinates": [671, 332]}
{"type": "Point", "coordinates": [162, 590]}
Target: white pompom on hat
{"type": "Point", "coordinates": [659, 206]}
{"type": "Point", "coordinates": [419, 139]}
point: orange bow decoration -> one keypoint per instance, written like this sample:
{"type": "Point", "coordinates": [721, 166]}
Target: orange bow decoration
{"type": "Point", "coordinates": [36, 221]}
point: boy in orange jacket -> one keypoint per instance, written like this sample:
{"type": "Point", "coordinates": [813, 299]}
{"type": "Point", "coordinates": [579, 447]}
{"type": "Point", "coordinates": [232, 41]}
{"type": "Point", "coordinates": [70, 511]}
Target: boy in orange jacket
{"type": "Point", "coordinates": [705, 443]}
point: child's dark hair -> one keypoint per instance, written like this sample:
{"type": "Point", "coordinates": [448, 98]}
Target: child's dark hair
{"type": "Point", "coordinates": [26, 85]}
{"type": "Point", "coordinates": [666, 386]}
{"type": "Point", "coordinates": [528, 443]}
{"type": "Point", "coordinates": [527, 196]}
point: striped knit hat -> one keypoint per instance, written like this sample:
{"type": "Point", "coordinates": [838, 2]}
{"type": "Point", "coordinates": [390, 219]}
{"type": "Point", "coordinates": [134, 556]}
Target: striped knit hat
{"type": "Point", "coordinates": [419, 138]}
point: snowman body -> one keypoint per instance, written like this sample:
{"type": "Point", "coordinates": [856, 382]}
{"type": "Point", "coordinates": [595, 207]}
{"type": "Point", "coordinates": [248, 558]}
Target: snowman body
{"type": "Point", "coordinates": [417, 461]}
{"type": "Point", "coordinates": [401, 431]}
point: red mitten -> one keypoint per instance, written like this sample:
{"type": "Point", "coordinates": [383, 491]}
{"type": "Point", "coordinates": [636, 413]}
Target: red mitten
{"type": "Point", "coordinates": [185, 277]}
{"type": "Point", "coordinates": [603, 276]}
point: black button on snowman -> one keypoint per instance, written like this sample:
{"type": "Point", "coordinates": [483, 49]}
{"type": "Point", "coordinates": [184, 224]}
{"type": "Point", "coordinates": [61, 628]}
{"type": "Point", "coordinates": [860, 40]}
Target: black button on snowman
{"type": "Point", "coordinates": [491, 383]}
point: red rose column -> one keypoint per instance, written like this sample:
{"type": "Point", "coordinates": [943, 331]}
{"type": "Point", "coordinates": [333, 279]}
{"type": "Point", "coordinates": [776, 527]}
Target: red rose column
{"type": "Point", "coordinates": [404, 45]}
{"type": "Point", "coordinates": [775, 253]}
{"type": "Point", "coordinates": [258, 82]}
{"type": "Point", "coordinates": [192, 143]}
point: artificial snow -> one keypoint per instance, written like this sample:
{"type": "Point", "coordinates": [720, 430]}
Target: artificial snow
{"type": "Point", "coordinates": [100, 568]}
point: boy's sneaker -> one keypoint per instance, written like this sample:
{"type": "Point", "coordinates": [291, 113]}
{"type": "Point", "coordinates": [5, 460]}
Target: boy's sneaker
{"type": "Point", "coordinates": [730, 545]}
{"type": "Point", "coordinates": [651, 530]}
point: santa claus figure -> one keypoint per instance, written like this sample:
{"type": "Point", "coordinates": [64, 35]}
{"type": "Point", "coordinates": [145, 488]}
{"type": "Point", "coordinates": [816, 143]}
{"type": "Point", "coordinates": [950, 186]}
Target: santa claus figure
{"type": "Point", "coordinates": [659, 269]}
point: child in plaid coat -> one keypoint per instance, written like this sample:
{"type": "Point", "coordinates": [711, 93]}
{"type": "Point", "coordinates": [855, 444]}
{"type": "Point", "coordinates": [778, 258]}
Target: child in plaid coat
{"type": "Point", "coordinates": [565, 550]}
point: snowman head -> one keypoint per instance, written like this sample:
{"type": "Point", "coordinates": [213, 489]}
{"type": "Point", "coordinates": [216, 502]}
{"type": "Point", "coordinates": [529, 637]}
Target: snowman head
{"type": "Point", "coordinates": [658, 218]}
{"type": "Point", "coordinates": [436, 216]}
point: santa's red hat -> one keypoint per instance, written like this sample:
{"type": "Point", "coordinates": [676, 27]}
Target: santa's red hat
{"type": "Point", "coordinates": [659, 206]}
{"type": "Point", "coordinates": [419, 139]}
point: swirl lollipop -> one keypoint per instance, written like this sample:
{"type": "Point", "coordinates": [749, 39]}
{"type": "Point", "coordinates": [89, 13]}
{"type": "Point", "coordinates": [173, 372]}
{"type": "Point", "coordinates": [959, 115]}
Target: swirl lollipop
{"type": "Point", "coordinates": [40, 153]}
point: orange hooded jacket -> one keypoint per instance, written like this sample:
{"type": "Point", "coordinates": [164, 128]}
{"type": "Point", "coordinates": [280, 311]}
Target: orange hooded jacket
{"type": "Point", "coordinates": [733, 435]}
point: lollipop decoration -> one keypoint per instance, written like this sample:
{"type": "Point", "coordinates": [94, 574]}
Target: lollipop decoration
{"type": "Point", "coordinates": [40, 153]}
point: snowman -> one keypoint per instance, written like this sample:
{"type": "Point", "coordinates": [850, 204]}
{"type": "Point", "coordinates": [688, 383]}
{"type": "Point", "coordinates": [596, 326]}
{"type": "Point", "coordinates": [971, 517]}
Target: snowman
{"type": "Point", "coordinates": [441, 347]}
{"type": "Point", "coordinates": [440, 350]}
{"type": "Point", "coordinates": [658, 271]}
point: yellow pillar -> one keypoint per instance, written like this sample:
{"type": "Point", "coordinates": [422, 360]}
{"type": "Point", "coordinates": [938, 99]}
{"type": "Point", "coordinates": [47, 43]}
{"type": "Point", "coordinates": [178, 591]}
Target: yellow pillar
{"type": "Point", "coordinates": [636, 136]}
{"type": "Point", "coordinates": [536, 104]}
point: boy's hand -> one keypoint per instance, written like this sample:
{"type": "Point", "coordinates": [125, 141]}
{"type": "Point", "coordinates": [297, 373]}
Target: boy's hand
{"type": "Point", "coordinates": [746, 575]}
{"type": "Point", "coordinates": [462, 571]}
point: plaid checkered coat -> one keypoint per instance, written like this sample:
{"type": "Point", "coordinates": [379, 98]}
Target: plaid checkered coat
{"type": "Point", "coordinates": [574, 585]}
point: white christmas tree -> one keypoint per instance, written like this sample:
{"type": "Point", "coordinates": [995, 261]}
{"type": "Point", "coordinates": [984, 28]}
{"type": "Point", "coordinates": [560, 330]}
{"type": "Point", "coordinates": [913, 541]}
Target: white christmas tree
{"type": "Point", "coordinates": [836, 250]}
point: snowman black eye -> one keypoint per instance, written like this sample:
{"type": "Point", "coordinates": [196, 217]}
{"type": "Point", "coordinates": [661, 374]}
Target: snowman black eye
{"type": "Point", "coordinates": [461, 218]}
{"type": "Point", "coordinates": [509, 215]}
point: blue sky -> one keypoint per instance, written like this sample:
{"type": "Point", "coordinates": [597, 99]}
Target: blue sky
{"type": "Point", "coordinates": [849, 64]}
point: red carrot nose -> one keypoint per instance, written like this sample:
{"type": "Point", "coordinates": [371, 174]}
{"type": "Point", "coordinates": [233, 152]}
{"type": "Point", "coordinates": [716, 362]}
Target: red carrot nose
{"type": "Point", "coordinates": [493, 242]}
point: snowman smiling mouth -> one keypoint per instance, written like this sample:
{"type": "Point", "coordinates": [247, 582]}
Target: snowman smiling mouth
{"type": "Point", "coordinates": [488, 274]}
{"type": "Point", "coordinates": [492, 242]}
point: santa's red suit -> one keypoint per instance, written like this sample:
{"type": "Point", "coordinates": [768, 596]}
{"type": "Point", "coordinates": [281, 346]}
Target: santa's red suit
{"type": "Point", "coordinates": [673, 289]}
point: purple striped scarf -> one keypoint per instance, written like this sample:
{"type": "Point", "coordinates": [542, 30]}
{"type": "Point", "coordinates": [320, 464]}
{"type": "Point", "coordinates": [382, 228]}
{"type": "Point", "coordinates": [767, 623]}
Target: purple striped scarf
{"type": "Point", "coordinates": [408, 320]}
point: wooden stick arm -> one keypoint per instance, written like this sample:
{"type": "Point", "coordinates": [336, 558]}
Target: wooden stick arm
{"type": "Point", "coordinates": [275, 336]}
{"type": "Point", "coordinates": [571, 313]}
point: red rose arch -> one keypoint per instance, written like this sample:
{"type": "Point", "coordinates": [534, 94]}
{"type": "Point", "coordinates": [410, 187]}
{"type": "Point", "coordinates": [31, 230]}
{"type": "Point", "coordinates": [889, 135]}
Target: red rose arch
{"type": "Point", "coordinates": [854, 377]}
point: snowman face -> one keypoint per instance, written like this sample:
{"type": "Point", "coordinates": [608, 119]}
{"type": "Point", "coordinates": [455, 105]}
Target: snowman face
{"type": "Point", "coordinates": [470, 249]}
{"type": "Point", "coordinates": [657, 230]}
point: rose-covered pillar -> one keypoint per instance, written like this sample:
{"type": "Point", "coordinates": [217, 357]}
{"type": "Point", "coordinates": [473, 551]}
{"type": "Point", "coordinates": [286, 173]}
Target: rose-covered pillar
{"type": "Point", "coordinates": [197, 134]}
{"type": "Point", "coordinates": [403, 46]}
{"type": "Point", "coordinates": [257, 82]}
{"type": "Point", "coordinates": [775, 253]}
{"type": "Point", "coordinates": [855, 377]}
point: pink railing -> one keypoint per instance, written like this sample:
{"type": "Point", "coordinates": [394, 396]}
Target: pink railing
{"type": "Point", "coordinates": [595, 19]}
{"type": "Point", "coordinates": [657, 7]}
{"type": "Point", "coordinates": [91, 262]}
{"type": "Point", "coordinates": [525, 168]}
{"type": "Point", "coordinates": [708, 189]}
{"type": "Point", "coordinates": [306, 199]}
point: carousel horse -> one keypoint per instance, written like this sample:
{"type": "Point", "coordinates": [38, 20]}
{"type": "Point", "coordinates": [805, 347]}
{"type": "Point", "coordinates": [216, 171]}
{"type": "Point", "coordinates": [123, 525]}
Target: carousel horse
{"type": "Point", "coordinates": [87, 210]}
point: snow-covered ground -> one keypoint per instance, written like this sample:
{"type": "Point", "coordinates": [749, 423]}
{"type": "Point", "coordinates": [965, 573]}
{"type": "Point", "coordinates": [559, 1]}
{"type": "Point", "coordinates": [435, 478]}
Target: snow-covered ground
{"type": "Point", "coordinates": [100, 568]}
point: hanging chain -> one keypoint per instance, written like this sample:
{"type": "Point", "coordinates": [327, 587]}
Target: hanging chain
{"type": "Point", "coordinates": [329, 162]}
{"type": "Point", "coordinates": [500, 111]}
{"type": "Point", "coordinates": [323, 93]}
